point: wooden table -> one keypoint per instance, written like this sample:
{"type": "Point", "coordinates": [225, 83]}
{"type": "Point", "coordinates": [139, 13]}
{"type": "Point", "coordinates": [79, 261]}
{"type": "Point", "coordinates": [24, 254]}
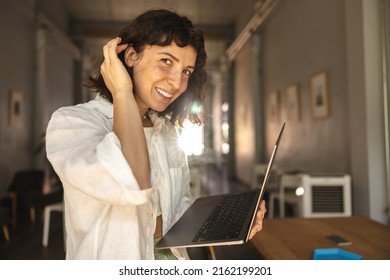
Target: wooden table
{"type": "Point", "coordinates": [296, 238]}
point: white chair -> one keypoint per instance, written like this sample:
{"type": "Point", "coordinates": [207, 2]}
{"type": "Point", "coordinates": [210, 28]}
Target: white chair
{"type": "Point", "coordinates": [258, 171]}
{"type": "Point", "coordinates": [46, 222]}
{"type": "Point", "coordinates": [288, 184]}
{"type": "Point", "coordinates": [288, 193]}
{"type": "Point", "coordinates": [272, 188]}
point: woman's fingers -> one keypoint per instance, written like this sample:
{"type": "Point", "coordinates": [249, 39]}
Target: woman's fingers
{"type": "Point", "coordinates": [121, 48]}
{"type": "Point", "coordinates": [258, 223]}
{"type": "Point", "coordinates": [112, 49]}
{"type": "Point", "coordinates": [112, 69]}
{"type": "Point", "coordinates": [107, 49]}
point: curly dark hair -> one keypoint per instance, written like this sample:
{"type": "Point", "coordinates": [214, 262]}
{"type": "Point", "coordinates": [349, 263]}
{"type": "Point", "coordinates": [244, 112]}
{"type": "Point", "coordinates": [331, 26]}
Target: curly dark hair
{"type": "Point", "coordinates": [161, 27]}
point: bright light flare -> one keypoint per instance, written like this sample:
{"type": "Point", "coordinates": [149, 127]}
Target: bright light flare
{"type": "Point", "coordinates": [225, 148]}
{"type": "Point", "coordinates": [191, 138]}
{"type": "Point", "coordinates": [299, 191]}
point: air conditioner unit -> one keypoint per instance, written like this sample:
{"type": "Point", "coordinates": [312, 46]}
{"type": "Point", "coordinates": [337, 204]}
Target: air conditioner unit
{"type": "Point", "coordinates": [326, 195]}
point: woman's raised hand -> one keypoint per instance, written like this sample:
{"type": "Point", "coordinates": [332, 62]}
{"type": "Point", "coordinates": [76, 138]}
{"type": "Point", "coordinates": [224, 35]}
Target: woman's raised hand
{"type": "Point", "coordinates": [114, 73]}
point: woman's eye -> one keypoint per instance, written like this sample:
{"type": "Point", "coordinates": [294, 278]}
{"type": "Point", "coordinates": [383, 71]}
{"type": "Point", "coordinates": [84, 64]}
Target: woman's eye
{"type": "Point", "coordinates": [166, 61]}
{"type": "Point", "coordinates": [187, 72]}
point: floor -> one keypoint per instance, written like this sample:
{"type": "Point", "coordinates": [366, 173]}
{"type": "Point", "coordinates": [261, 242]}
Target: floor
{"type": "Point", "coordinates": [26, 239]}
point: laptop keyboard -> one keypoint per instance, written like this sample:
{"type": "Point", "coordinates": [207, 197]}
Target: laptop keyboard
{"type": "Point", "coordinates": [226, 221]}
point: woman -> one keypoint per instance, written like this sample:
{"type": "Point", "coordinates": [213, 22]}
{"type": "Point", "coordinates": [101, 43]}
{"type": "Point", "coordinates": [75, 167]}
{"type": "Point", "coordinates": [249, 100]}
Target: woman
{"type": "Point", "coordinates": [125, 180]}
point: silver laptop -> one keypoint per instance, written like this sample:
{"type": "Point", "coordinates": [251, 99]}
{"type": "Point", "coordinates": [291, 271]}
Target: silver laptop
{"type": "Point", "coordinates": [217, 220]}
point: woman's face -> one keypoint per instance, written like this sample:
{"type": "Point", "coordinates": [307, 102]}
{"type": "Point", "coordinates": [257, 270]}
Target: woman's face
{"type": "Point", "coordinates": [161, 75]}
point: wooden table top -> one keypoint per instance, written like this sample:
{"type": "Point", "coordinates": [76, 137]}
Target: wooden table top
{"type": "Point", "coordinates": [296, 238]}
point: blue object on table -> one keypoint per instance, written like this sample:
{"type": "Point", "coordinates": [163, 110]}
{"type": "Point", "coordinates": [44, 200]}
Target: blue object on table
{"type": "Point", "coordinates": [335, 254]}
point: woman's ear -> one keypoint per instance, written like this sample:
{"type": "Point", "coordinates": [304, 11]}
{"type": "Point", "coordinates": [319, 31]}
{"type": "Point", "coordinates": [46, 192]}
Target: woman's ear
{"type": "Point", "coordinates": [131, 56]}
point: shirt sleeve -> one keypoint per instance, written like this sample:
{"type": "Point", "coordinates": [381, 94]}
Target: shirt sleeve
{"type": "Point", "coordinates": [87, 155]}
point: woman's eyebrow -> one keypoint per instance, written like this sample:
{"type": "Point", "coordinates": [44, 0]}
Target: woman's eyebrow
{"type": "Point", "coordinates": [175, 58]}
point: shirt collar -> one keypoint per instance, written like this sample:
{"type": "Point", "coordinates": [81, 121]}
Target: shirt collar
{"type": "Point", "coordinates": [158, 122]}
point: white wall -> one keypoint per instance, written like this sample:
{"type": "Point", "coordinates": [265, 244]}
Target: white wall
{"type": "Point", "coordinates": [16, 73]}
{"type": "Point", "coordinates": [44, 77]}
{"type": "Point", "coordinates": [300, 39]}
{"type": "Point", "coordinates": [366, 108]}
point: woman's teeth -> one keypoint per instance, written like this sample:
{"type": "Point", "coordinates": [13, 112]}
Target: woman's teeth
{"type": "Point", "coordinates": [164, 93]}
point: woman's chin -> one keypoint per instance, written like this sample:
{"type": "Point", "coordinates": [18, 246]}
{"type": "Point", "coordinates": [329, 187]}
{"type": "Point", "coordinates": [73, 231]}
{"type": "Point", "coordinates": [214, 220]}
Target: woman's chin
{"type": "Point", "coordinates": [159, 108]}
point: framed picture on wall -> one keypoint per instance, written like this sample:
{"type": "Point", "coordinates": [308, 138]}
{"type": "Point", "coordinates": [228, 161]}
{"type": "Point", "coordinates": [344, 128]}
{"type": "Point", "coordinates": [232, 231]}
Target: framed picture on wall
{"type": "Point", "coordinates": [273, 106]}
{"type": "Point", "coordinates": [319, 91]}
{"type": "Point", "coordinates": [16, 109]}
{"type": "Point", "coordinates": [292, 104]}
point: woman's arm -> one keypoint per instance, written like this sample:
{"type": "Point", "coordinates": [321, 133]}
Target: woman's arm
{"type": "Point", "coordinates": [127, 120]}
{"type": "Point", "coordinates": [88, 157]}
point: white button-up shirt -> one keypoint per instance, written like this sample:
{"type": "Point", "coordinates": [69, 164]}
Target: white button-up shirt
{"type": "Point", "coordinates": [107, 215]}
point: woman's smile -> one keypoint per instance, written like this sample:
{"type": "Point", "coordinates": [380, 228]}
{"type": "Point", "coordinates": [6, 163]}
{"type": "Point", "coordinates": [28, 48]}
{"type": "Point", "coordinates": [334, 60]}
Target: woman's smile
{"type": "Point", "coordinates": [164, 93]}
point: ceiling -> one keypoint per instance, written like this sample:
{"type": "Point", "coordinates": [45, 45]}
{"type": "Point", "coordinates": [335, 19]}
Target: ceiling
{"type": "Point", "coordinates": [200, 11]}
{"type": "Point", "coordinates": [102, 19]}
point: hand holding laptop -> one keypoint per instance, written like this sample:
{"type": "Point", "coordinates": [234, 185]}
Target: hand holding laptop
{"type": "Point", "coordinates": [225, 219]}
{"type": "Point", "coordinates": [258, 223]}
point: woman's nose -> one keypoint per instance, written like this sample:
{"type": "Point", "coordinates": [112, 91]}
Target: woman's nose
{"type": "Point", "coordinates": [175, 79]}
